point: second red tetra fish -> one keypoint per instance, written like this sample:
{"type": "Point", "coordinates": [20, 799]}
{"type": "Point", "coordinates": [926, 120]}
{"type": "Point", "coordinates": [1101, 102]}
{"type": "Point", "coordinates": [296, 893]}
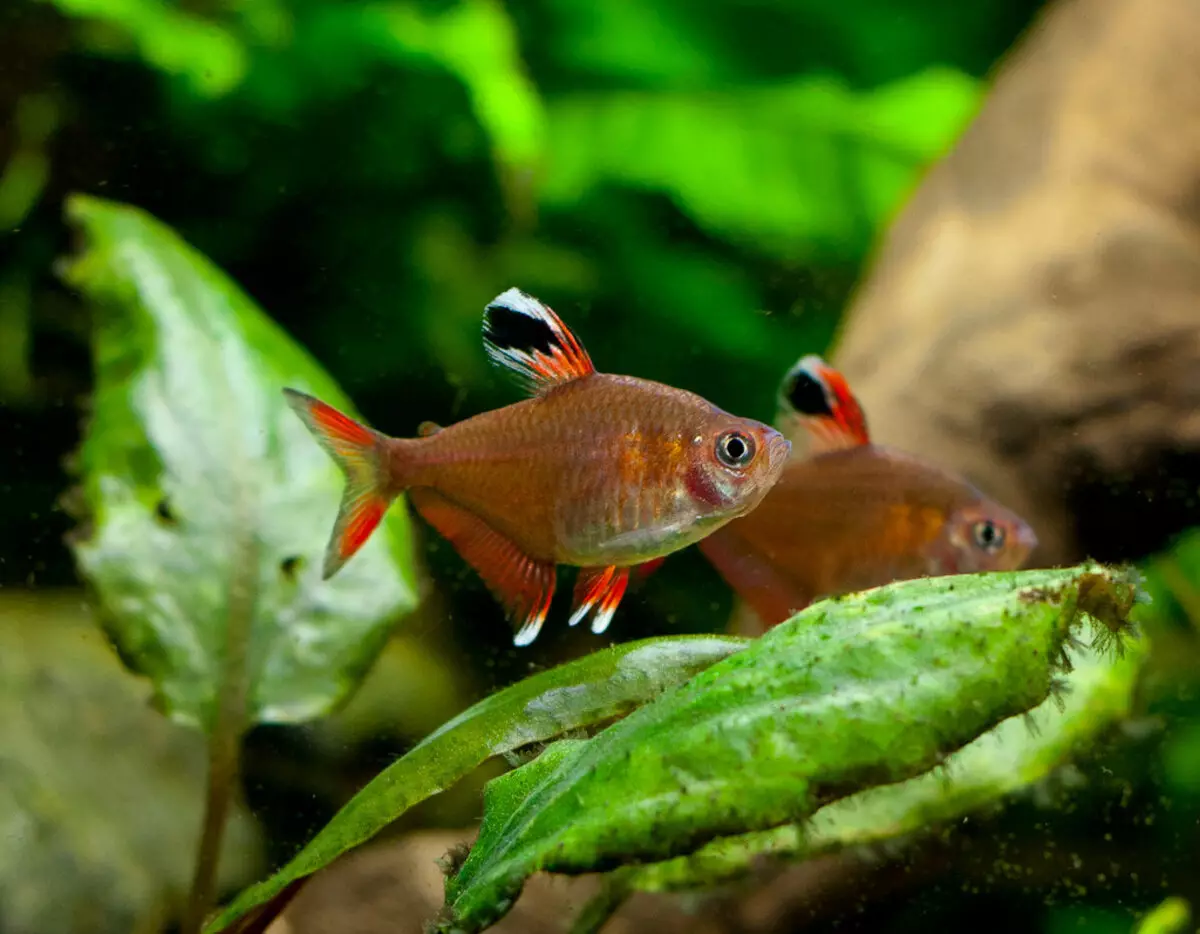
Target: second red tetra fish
{"type": "Point", "coordinates": [854, 515]}
{"type": "Point", "coordinates": [598, 471]}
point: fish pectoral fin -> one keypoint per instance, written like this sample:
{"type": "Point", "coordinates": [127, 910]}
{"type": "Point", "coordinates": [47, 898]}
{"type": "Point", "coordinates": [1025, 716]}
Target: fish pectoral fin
{"type": "Point", "coordinates": [425, 429]}
{"type": "Point", "coordinates": [754, 577]}
{"type": "Point", "coordinates": [527, 339]}
{"type": "Point", "coordinates": [599, 590]}
{"type": "Point", "coordinates": [523, 586]}
{"type": "Point", "coordinates": [817, 397]}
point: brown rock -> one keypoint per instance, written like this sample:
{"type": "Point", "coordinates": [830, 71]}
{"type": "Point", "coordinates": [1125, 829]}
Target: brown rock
{"type": "Point", "coordinates": [396, 888]}
{"type": "Point", "coordinates": [1033, 316]}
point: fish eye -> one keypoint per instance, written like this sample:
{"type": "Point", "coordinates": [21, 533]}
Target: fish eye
{"type": "Point", "coordinates": [988, 535]}
{"type": "Point", "coordinates": [735, 450]}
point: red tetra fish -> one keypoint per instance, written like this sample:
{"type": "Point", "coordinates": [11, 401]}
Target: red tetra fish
{"type": "Point", "coordinates": [599, 471]}
{"type": "Point", "coordinates": [854, 515]}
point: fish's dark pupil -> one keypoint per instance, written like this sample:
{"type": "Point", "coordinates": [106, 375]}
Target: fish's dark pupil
{"type": "Point", "coordinates": [735, 450]}
{"type": "Point", "coordinates": [512, 330]}
{"type": "Point", "coordinates": [988, 536]}
{"type": "Point", "coordinates": [807, 396]}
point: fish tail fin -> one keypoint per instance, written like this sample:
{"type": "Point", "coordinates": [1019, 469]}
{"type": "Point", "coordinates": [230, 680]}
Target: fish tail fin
{"type": "Point", "coordinates": [362, 454]}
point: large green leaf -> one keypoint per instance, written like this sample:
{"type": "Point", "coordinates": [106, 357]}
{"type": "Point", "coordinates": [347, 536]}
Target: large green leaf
{"type": "Point", "coordinates": [100, 797]}
{"type": "Point", "coordinates": [584, 692]}
{"type": "Point", "coordinates": [1013, 758]}
{"type": "Point", "coordinates": [208, 503]}
{"type": "Point", "coordinates": [856, 692]}
{"type": "Point", "coordinates": [807, 167]}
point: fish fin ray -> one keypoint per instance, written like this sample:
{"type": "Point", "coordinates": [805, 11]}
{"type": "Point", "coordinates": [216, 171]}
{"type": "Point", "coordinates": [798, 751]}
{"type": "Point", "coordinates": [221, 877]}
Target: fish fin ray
{"type": "Point", "coordinates": [772, 596]}
{"type": "Point", "coordinates": [522, 585]}
{"type": "Point", "coordinates": [524, 337]}
{"type": "Point", "coordinates": [819, 399]}
{"type": "Point", "coordinates": [612, 599]}
{"type": "Point", "coordinates": [598, 591]}
{"type": "Point", "coordinates": [361, 454]}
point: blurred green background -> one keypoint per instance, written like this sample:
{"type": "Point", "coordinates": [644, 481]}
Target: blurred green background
{"type": "Point", "coordinates": [695, 185]}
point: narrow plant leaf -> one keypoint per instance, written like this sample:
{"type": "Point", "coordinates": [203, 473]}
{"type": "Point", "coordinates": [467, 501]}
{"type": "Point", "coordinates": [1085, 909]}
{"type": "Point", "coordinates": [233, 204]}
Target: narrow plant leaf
{"type": "Point", "coordinates": [199, 481]}
{"type": "Point", "coordinates": [590, 690]}
{"type": "Point", "coordinates": [1011, 759]}
{"type": "Point", "coordinates": [855, 692]}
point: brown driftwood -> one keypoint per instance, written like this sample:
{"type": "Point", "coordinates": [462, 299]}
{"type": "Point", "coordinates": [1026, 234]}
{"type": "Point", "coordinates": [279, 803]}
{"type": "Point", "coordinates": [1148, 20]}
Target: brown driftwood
{"type": "Point", "coordinates": [1033, 316]}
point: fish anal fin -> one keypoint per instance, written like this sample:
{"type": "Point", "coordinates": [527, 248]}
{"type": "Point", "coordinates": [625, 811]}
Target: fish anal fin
{"type": "Point", "coordinates": [598, 592]}
{"type": "Point", "coordinates": [522, 585]}
{"type": "Point", "coordinates": [818, 398]}
{"type": "Point", "coordinates": [527, 339]}
{"type": "Point", "coordinates": [754, 577]}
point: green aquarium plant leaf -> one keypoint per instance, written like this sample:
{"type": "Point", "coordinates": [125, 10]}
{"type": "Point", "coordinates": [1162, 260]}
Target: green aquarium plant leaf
{"type": "Point", "coordinates": [100, 797]}
{"type": "Point", "coordinates": [811, 167]}
{"type": "Point", "coordinates": [210, 57]}
{"type": "Point", "coordinates": [207, 505]}
{"type": "Point", "coordinates": [852, 693]}
{"type": "Point", "coordinates": [594, 689]}
{"type": "Point", "coordinates": [1170, 916]}
{"type": "Point", "coordinates": [1014, 758]}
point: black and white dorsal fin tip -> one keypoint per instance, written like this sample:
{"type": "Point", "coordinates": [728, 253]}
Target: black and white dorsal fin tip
{"type": "Point", "coordinates": [819, 397]}
{"type": "Point", "coordinates": [526, 338]}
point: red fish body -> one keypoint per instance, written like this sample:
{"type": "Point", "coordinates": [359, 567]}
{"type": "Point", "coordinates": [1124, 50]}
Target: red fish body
{"type": "Point", "coordinates": [598, 471]}
{"type": "Point", "coordinates": [855, 515]}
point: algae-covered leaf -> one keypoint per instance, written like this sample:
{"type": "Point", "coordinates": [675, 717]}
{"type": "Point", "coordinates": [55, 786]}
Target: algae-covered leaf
{"type": "Point", "coordinates": [100, 797]}
{"type": "Point", "coordinates": [852, 693]}
{"type": "Point", "coordinates": [590, 690]}
{"type": "Point", "coordinates": [1012, 759]}
{"type": "Point", "coordinates": [200, 485]}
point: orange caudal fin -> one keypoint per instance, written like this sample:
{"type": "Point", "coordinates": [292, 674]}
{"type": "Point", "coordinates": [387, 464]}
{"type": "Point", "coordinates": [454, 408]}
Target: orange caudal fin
{"type": "Point", "coordinates": [361, 453]}
{"type": "Point", "coordinates": [598, 591]}
{"type": "Point", "coordinates": [817, 396]}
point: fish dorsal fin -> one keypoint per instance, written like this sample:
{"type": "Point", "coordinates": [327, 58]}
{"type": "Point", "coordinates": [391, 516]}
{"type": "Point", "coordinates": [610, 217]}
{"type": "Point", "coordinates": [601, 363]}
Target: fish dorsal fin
{"type": "Point", "coordinates": [601, 590]}
{"type": "Point", "coordinates": [817, 396]}
{"type": "Point", "coordinates": [525, 337]}
{"type": "Point", "coordinates": [523, 586]}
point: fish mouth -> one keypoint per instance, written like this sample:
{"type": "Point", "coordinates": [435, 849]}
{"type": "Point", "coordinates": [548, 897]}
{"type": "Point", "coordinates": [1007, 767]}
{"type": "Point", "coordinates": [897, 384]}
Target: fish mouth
{"type": "Point", "coordinates": [1027, 540]}
{"type": "Point", "coordinates": [779, 449]}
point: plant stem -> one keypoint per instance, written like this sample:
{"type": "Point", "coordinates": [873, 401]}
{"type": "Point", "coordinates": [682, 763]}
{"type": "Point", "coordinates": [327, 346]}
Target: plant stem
{"type": "Point", "coordinates": [614, 892]}
{"type": "Point", "coordinates": [225, 740]}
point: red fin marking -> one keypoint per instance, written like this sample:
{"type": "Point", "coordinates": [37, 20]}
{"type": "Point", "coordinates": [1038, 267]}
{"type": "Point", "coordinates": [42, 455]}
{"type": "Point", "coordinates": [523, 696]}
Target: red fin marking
{"type": "Point", "coordinates": [525, 337]}
{"type": "Point", "coordinates": [361, 454]}
{"type": "Point", "coordinates": [599, 591]}
{"type": "Point", "coordinates": [590, 586]}
{"type": "Point", "coordinates": [608, 606]}
{"type": "Point", "coordinates": [819, 398]}
{"type": "Point", "coordinates": [753, 577]}
{"type": "Point", "coordinates": [523, 586]}
{"type": "Point", "coordinates": [639, 572]}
